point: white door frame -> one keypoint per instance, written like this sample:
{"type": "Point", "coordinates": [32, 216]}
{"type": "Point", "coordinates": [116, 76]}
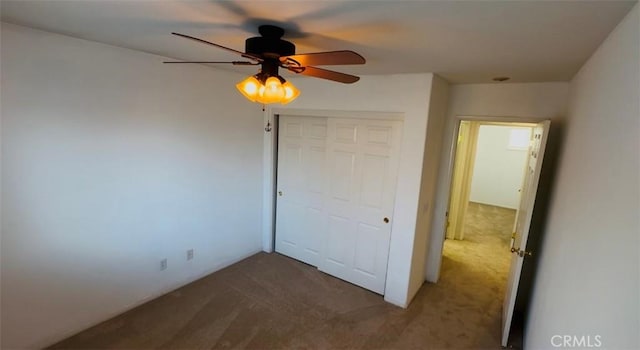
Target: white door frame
{"type": "Point", "coordinates": [270, 143]}
{"type": "Point", "coordinates": [434, 259]}
{"type": "Point", "coordinates": [459, 197]}
{"type": "Point", "coordinates": [473, 137]}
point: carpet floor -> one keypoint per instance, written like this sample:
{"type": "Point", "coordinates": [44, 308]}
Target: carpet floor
{"type": "Point", "coordinates": [269, 301]}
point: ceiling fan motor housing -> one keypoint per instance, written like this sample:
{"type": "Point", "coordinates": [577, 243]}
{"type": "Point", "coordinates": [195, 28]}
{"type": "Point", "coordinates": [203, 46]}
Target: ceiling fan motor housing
{"type": "Point", "coordinates": [270, 44]}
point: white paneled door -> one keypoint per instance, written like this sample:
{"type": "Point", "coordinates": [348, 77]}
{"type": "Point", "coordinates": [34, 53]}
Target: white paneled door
{"type": "Point", "coordinates": [523, 223]}
{"type": "Point", "coordinates": [300, 215]}
{"type": "Point", "coordinates": [337, 195]}
{"type": "Point", "coordinates": [362, 167]}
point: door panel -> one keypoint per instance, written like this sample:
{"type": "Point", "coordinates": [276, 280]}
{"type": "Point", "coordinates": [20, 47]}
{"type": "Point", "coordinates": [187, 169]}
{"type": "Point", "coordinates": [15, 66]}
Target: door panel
{"type": "Point", "coordinates": [343, 172]}
{"type": "Point", "coordinates": [366, 250]}
{"type": "Point", "coordinates": [300, 215]}
{"type": "Point", "coordinates": [338, 240]}
{"type": "Point", "coordinates": [372, 187]}
{"type": "Point", "coordinates": [315, 169]}
{"type": "Point", "coordinates": [362, 195]}
{"type": "Point", "coordinates": [523, 222]}
{"type": "Point", "coordinates": [345, 133]}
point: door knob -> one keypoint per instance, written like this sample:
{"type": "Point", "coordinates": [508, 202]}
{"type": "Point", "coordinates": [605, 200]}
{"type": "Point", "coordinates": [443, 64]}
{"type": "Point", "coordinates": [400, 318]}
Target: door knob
{"type": "Point", "coordinates": [386, 220]}
{"type": "Point", "coordinates": [280, 193]}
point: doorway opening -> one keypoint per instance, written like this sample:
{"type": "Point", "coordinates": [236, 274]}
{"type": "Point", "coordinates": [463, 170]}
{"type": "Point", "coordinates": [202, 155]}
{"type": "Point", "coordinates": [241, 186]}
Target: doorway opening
{"type": "Point", "coordinates": [488, 175]}
{"type": "Point", "coordinates": [496, 169]}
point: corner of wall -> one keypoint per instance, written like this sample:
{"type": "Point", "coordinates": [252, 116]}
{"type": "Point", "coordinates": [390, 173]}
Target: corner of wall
{"type": "Point", "coordinates": [437, 108]}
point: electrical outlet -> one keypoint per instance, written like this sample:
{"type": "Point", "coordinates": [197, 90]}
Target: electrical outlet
{"type": "Point", "coordinates": [163, 264]}
{"type": "Point", "coordinates": [190, 254]}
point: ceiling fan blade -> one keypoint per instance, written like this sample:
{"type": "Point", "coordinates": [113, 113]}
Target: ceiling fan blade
{"type": "Point", "coordinates": [235, 63]}
{"type": "Point", "coordinates": [246, 55]}
{"type": "Point", "coordinates": [326, 74]}
{"type": "Point", "coordinates": [326, 58]}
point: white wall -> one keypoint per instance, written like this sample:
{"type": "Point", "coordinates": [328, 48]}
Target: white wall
{"type": "Point", "coordinates": [521, 101]}
{"type": "Point", "coordinates": [432, 149]}
{"type": "Point", "coordinates": [498, 171]}
{"type": "Point", "coordinates": [112, 161]}
{"type": "Point", "coordinates": [588, 278]}
{"type": "Point", "coordinates": [408, 94]}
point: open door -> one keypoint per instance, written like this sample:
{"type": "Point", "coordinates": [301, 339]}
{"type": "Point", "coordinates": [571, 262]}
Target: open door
{"type": "Point", "coordinates": [523, 223]}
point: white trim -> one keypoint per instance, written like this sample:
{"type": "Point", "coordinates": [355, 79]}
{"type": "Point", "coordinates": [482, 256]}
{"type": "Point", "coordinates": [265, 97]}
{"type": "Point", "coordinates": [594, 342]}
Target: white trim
{"type": "Point", "coordinates": [397, 303]}
{"type": "Point", "coordinates": [500, 119]}
{"type": "Point", "coordinates": [338, 114]}
{"type": "Point", "coordinates": [268, 183]}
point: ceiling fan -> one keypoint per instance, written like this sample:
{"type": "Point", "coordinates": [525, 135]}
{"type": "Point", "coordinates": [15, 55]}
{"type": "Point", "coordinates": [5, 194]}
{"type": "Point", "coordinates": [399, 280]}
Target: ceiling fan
{"type": "Point", "coordinates": [271, 52]}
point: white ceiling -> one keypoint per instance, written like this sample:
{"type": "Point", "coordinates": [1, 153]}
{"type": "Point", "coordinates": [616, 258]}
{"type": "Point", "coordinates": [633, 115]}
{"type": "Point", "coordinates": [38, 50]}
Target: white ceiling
{"type": "Point", "coordinates": [464, 41]}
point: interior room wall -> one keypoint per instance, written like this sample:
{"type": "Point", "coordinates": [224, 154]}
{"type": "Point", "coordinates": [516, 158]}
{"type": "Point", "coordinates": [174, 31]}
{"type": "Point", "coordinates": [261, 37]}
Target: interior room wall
{"type": "Point", "coordinates": [404, 93]}
{"type": "Point", "coordinates": [524, 101]}
{"type": "Point", "coordinates": [432, 150]}
{"type": "Point", "coordinates": [587, 284]}
{"type": "Point", "coordinates": [498, 170]}
{"type": "Point", "coordinates": [112, 161]}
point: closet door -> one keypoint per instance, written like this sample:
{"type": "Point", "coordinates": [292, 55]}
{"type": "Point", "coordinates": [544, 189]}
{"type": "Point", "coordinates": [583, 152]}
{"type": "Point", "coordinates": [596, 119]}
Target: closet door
{"type": "Point", "coordinates": [300, 215]}
{"type": "Point", "coordinates": [361, 176]}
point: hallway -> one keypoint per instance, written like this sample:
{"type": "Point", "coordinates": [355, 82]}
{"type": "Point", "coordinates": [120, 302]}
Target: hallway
{"type": "Point", "coordinates": [478, 266]}
{"type": "Point", "coordinates": [487, 235]}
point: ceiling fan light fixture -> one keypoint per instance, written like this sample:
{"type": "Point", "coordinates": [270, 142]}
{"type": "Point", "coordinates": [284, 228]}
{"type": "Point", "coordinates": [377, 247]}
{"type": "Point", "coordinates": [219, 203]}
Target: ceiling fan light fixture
{"type": "Point", "coordinates": [273, 89]}
{"type": "Point", "coordinates": [271, 52]}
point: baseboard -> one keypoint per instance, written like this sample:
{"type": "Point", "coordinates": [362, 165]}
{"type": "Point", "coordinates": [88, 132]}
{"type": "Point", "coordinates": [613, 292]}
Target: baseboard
{"type": "Point", "coordinates": [398, 303]}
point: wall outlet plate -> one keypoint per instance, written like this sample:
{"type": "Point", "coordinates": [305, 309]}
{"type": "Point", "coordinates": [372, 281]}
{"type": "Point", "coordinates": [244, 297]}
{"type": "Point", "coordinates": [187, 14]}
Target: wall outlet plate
{"type": "Point", "coordinates": [190, 254]}
{"type": "Point", "coordinates": [163, 264]}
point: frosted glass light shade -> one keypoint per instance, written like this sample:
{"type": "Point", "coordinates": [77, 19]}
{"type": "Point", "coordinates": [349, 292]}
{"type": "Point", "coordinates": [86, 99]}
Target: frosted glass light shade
{"type": "Point", "coordinates": [290, 93]}
{"type": "Point", "coordinates": [273, 91]}
{"type": "Point", "coordinates": [250, 88]}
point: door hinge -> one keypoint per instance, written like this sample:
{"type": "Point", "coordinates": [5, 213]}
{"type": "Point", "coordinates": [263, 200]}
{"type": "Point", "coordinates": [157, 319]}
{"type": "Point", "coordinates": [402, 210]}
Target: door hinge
{"type": "Point", "coordinates": [521, 253]}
